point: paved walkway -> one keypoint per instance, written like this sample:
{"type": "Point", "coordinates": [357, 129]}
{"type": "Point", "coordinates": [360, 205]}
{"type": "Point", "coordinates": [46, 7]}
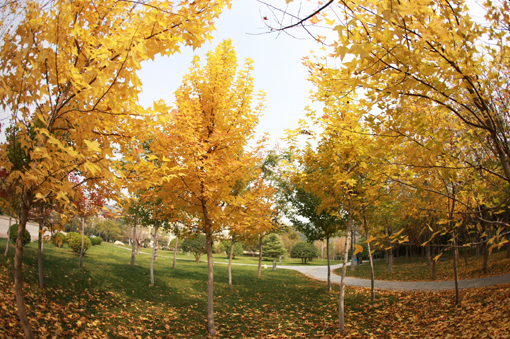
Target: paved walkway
{"type": "Point", "coordinates": [321, 273]}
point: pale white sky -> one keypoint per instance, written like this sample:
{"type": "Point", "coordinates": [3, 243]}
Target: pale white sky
{"type": "Point", "coordinates": [278, 69]}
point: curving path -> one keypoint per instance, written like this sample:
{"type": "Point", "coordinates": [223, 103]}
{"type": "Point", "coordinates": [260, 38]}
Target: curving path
{"type": "Point", "coordinates": [321, 273]}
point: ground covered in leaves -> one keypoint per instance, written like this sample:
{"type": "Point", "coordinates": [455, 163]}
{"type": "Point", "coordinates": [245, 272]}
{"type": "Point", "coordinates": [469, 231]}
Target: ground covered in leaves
{"type": "Point", "coordinates": [110, 299]}
{"type": "Point", "coordinates": [416, 269]}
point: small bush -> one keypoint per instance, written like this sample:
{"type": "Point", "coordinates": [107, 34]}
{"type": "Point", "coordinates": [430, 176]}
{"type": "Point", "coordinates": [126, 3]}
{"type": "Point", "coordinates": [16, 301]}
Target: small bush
{"type": "Point", "coordinates": [71, 235]}
{"type": "Point", "coordinates": [75, 244]}
{"type": "Point", "coordinates": [96, 241]}
{"type": "Point", "coordinates": [14, 234]}
{"type": "Point", "coordinates": [58, 239]}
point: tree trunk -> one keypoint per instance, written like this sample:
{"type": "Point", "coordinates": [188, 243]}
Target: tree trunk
{"type": "Point", "coordinates": [352, 249]}
{"type": "Point", "coordinates": [210, 276]}
{"type": "Point", "coordinates": [341, 317]}
{"type": "Point", "coordinates": [433, 249]}
{"type": "Point", "coordinates": [466, 255]}
{"type": "Point", "coordinates": [82, 238]}
{"type": "Point", "coordinates": [390, 251]}
{"type": "Point", "coordinates": [386, 256]}
{"type": "Point", "coordinates": [427, 249]}
{"type": "Point", "coordinates": [153, 252]}
{"type": "Point", "coordinates": [18, 273]}
{"type": "Point", "coordinates": [260, 259]}
{"type": "Point", "coordinates": [133, 248]}
{"type": "Point", "coordinates": [485, 257]}
{"type": "Point", "coordinates": [8, 234]}
{"type": "Point", "coordinates": [455, 263]}
{"type": "Point", "coordinates": [39, 251]}
{"type": "Point", "coordinates": [372, 278]}
{"type": "Point", "coordinates": [155, 246]}
{"type": "Point", "coordinates": [230, 264]}
{"type": "Point", "coordinates": [329, 268]}
{"type": "Point", "coordinates": [176, 247]}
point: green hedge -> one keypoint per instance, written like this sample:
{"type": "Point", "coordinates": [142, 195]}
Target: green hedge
{"type": "Point", "coordinates": [96, 241]}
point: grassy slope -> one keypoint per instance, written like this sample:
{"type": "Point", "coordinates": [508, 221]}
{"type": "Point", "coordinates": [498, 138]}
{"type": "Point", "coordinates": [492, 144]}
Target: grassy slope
{"type": "Point", "coordinates": [416, 270]}
{"type": "Point", "coordinates": [111, 299]}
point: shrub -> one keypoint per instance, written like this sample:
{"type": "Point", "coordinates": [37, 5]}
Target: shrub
{"type": "Point", "coordinates": [305, 251]}
{"type": "Point", "coordinates": [96, 241]}
{"type": "Point", "coordinates": [75, 243]}
{"type": "Point", "coordinates": [58, 239]}
{"type": "Point", "coordinates": [14, 234]}
{"type": "Point", "coordinates": [71, 235]}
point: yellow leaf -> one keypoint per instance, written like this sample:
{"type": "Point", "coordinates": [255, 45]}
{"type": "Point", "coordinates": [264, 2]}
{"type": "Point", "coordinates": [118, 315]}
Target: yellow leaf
{"type": "Point", "coordinates": [315, 19]}
{"type": "Point", "coordinates": [93, 146]}
{"type": "Point", "coordinates": [329, 21]}
{"type": "Point", "coordinates": [437, 256]}
{"type": "Point", "coordinates": [359, 249]}
{"type": "Point", "coordinates": [369, 240]}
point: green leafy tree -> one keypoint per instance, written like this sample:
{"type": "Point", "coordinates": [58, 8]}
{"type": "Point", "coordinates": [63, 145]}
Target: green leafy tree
{"type": "Point", "coordinates": [305, 251]}
{"type": "Point", "coordinates": [273, 246]}
{"type": "Point", "coordinates": [75, 243]}
{"type": "Point", "coordinates": [14, 235]}
{"type": "Point", "coordinates": [196, 245]}
{"type": "Point", "coordinates": [225, 247]}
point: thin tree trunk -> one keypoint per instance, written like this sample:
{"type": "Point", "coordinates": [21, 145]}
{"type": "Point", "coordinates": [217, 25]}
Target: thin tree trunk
{"type": "Point", "coordinates": [386, 256]}
{"type": "Point", "coordinates": [176, 247]}
{"type": "Point", "coordinates": [352, 249]}
{"type": "Point", "coordinates": [210, 276]}
{"type": "Point", "coordinates": [427, 249]}
{"type": "Point", "coordinates": [155, 246]}
{"type": "Point", "coordinates": [466, 256]}
{"type": "Point", "coordinates": [433, 249]}
{"type": "Point", "coordinates": [133, 248]}
{"type": "Point", "coordinates": [40, 250]}
{"type": "Point", "coordinates": [18, 273]}
{"type": "Point", "coordinates": [230, 264]}
{"type": "Point", "coordinates": [477, 251]}
{"type": "Point", "coordinates": [8, 234]}
{"type": "Point", "coordinates": [485, 257]}
{"type": "Point", "coordinates": [153, 252]}
{"type": "Point", "coordinates": [390, 252]}
{"type": "Point", "coordinates": [259, 274]}
{"type": "Point", "coordinates": [329, 268]}
{"type": "Point", "coordinates": [455, 264]}
{"type": "Point", "coordinates": [372, 278]}
{"type": "Point", "coordinates": [82, 238]}
{"type": "Point", "coordinates": [341, 311]}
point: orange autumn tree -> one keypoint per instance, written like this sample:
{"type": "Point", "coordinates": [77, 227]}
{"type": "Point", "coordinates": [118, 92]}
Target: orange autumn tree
{"type": "Point", "coordinates": [68, 76]}
{"type": "Point", "coordinates": [207, 137]}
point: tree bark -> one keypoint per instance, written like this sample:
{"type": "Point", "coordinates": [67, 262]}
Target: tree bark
{"type": "Point", "coordinates": [341, 311]}
{"type": "Point", "coordinates": [372, 278]}
{"type": "Point", "coordinates": [8, 234]}
{"type": "Point", "coordinates": [390, 252]}
{"type": "Point", "coordinates": [386, 256]}
{"type": "Point", "coordinates": [230, 264]}
{"type": "Point", "coordinates": [455, 263]}
{"type": "Point", "coordinates": [210, 276]}
{"type": "Point", "coordinates": [433, 274]}
{"type": "Point", "coordinates": [153, 252]}
{"type": "Point", "coordinates": [352, 249]}
{"type": "Point", "coordinates": [82, 238]}
{"type": "Point", "coordinates": [259, 274]}
{"type": "Point", "coordinates": [176, 247]}
{"type": "Point", "coordinates": [40, 250]}
{"type": "Point", "coordinates": [427, 249]}
{"type": "Point", "coordinates": [18, 273]}
{"type": "Point", "coordinates": [133, 248]}
{"type": "Point", "coordinates": [329, 267]}
{"type": "Point", "coordinates": [466, 256]}
{"type": "Point", "coordinates": [485, 257]}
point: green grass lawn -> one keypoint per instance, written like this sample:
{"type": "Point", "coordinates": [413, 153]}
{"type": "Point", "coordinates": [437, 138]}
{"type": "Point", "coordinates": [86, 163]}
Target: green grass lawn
{"type": "Point", "coordinates": [245, 259]}
{"type": "Point", "coordinates": [416, 269]}
{"type": "Point", "coordinates": [110, 299]}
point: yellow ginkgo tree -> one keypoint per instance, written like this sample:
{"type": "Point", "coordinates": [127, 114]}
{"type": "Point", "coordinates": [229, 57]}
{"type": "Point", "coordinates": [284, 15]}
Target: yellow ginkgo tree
{"type": "Point", "coordinates": [207, 137]}
{"type": "Point", "coordinates": [69, 79]}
